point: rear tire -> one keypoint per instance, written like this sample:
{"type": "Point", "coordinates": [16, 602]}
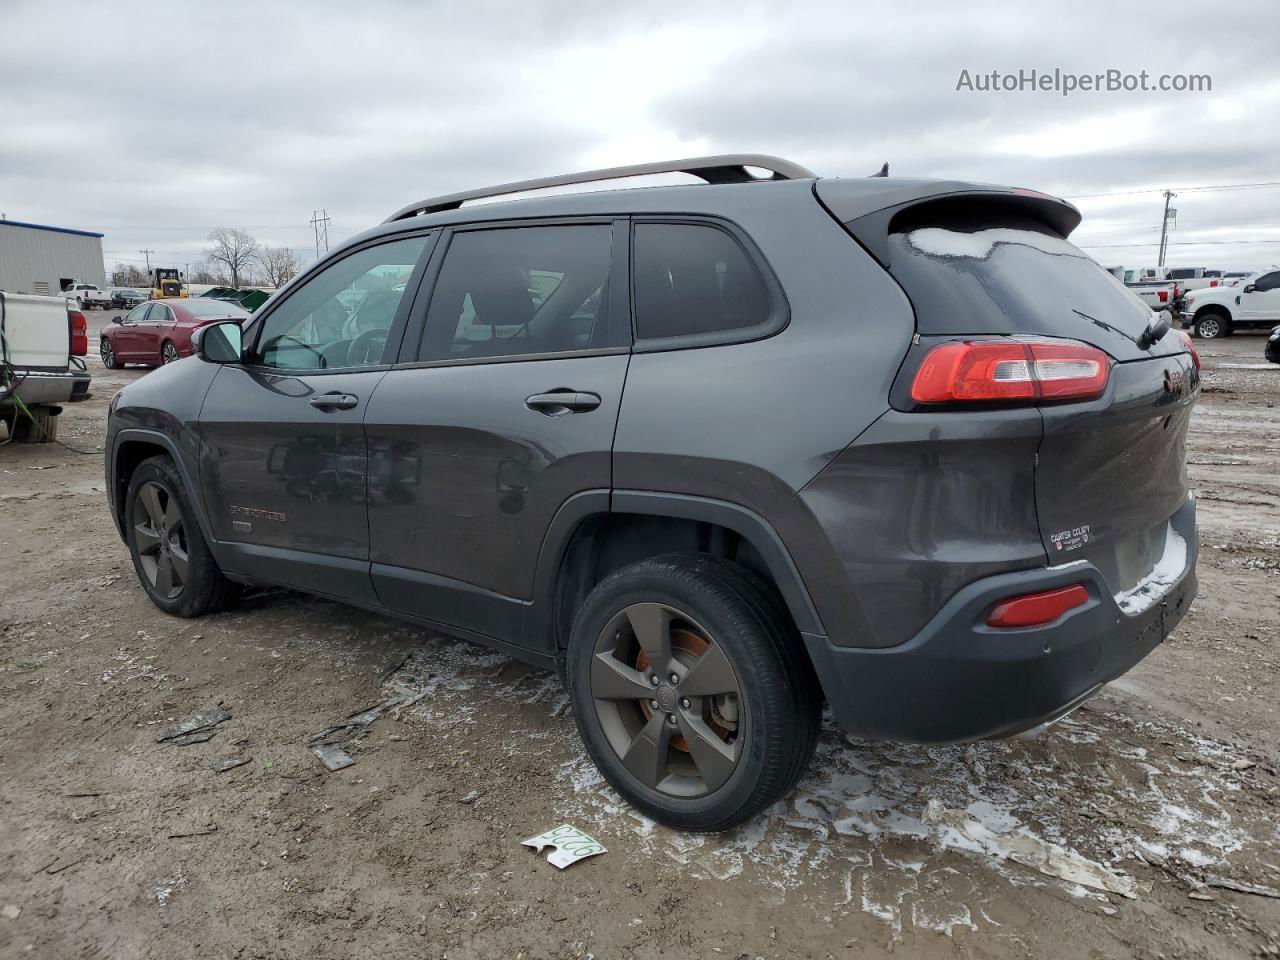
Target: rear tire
{"type": "Point", "coordinates": [168, 352]}
{"type": "Point", "coordinates": [169, 552]}
{"type": "Point", "coordinates": [703, 759]}
{"type": "Point", "coordinates": [40, 427]}
{"type": "Point", "coordinates": [1211, 326]}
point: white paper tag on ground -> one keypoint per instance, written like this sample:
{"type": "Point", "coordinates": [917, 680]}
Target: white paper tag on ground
{"type": "Point", "coordinates": [571, 845]}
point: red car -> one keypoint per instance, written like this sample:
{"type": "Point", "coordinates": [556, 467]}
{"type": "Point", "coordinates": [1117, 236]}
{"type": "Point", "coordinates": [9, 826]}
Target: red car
{"type": "Point", "coordinates": [159, 331]}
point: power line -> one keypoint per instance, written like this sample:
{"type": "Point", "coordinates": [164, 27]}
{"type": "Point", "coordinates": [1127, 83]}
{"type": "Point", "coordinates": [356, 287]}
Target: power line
{"type": "Point", "coordinates": [1172, 243]}
{"type": "Point", "coordinates": [1221, 186]}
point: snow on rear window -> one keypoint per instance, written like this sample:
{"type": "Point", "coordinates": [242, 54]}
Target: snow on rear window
{"type": "Point", "coordinates": [940, 242]}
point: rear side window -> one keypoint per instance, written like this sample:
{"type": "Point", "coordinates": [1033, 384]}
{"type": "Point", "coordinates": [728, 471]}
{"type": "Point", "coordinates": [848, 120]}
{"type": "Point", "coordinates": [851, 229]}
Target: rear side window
{"type": "Point", "coordinates": [693, 279]}
{"type": "Point", "coordinates": [524, 290]}
{"type": "Point", "coordinates": [1009, 274]}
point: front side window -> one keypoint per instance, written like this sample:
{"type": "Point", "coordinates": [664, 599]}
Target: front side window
{"type": "Point", "coordinates": [524, 290]}
{"type": "Point", "coordinates": [340, 317]}
{"type": "Point", "coordinates": [137, 313]}
{"type": "Point", "coordinates": [694, 279]}
{"type": "Point", "coordinates": [1268, 281]}
{"type": "Point", "coordinates": [159, 313]}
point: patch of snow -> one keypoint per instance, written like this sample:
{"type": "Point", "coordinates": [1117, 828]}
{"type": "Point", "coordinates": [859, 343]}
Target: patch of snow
{"type": "Point", "coordinates": [1142, 595]}
{"type": "Point", "coordinates": [937, 242]}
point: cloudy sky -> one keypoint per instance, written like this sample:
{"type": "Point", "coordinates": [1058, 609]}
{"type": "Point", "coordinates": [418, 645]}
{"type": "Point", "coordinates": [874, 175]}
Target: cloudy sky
{"type": "Point", "coordinates": [154, 125]}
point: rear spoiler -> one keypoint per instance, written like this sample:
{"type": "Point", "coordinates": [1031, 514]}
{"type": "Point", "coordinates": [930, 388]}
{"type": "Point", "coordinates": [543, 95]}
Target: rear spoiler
{"type": "Point", "coordinates": [871, 215]}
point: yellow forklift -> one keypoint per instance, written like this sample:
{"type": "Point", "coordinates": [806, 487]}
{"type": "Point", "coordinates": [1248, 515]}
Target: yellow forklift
{"type": "Point", "coordinates": [167, 282]}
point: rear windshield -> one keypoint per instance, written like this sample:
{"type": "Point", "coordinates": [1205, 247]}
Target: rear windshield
{"type": "Point", "coordinates": [1011, 275]}
{"type": "Point", "coordinates": [213, 308]}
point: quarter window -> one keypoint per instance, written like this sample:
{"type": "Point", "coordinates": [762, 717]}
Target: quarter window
{"type": "Point", "coordinates": [694, 279]}
{"type": "Point", "coordinates": [524, 290]}
{"type": "Point", "coordinates": [340, 316]}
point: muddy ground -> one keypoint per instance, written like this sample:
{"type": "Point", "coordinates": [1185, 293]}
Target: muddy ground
{"type": "Point", "coordinates": [1120, 833]}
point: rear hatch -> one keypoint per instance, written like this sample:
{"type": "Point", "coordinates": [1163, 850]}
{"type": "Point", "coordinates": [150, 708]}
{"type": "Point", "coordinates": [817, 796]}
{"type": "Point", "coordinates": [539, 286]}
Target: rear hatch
{"type": "Point", "coordinates": [1110, 478]}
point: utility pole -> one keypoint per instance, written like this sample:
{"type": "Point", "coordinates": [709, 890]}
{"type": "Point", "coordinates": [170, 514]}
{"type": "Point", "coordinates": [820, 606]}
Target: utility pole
{"type": "Point", "coordinates": [320, 224]}
{"type": "Point", "coordinates": [148, 254]}
{"type": "Point", "coordinates": [1164, 226]}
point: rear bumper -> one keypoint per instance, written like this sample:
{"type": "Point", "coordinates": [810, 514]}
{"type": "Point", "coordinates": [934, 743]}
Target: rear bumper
{"type": "Point", "coordinates": [51, 386]}
{"type": "Point", "coordinates": [959, 679]}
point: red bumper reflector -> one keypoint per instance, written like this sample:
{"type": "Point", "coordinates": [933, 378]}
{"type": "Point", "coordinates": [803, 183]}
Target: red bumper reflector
{"type": "Point", "coordinates": [1034, 609]}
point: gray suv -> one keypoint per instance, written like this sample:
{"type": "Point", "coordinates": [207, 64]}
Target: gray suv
{"type": "Point", "coordinates": [718, 453]}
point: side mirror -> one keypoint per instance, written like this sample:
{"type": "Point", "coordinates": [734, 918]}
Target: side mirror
{"type": "Point", "coordinates": [219, 342]}
{"type": "Point", "coordinates": [1250, 288]}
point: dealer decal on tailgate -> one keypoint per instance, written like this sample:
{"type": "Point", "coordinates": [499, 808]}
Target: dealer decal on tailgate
{"type": "Point", "coordinates": [1072, 539]}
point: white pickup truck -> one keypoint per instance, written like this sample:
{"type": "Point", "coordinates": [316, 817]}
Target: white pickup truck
{"type": "Point", "coordinates": [42, 341]}
{"type": "Point", "coordinates": [86, 296]}
{"type": "Point", "coordinates": [1220, 311]}
{"type": "Point", "coordinates": [1149, 284]}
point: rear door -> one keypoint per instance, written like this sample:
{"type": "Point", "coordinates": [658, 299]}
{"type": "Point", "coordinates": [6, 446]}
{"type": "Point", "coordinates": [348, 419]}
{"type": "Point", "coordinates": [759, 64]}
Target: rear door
{"type": "Point", "coordinates": [502, 408]}
{"type": "Point", "coordinates": [284, 461]}
{"type": "Point", "coordinates": [1110, 478]}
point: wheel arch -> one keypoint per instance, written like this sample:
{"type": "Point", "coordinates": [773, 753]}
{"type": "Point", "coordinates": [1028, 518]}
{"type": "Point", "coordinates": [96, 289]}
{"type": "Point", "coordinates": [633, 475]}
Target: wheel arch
{"type": "Point", "coordinates": [595, 533]}
{"type": "Point", "coordinates": [130, 448]}
{"type": "Point", "coordinates": [1216, 308]}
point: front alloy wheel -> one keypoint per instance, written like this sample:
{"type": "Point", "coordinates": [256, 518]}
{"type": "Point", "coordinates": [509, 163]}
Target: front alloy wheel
{"type": "Point", "coordinates": [108, 355]}
{"type": "Point", "coordinates": [161, 538]}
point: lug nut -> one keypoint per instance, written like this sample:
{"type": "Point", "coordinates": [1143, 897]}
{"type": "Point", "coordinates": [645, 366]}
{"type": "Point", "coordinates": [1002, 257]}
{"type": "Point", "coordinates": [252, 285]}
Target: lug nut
{"type": "Point", "coordinates": [671, 718]}
{"type": "Point", "coordinates": [685, 703]}
{"type": "Point", "coordinates": [653, 679]}
{"type": "Point", "coordinates": [675, 678]}
{"type": "Point", "coordinates": [653, 704]}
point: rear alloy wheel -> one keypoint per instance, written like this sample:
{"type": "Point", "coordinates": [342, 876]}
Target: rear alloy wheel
{"type": "Point", "coordinates": [169, 552]}
{"type": "Point", "coordinates": [108, 355]}
{"type": "Point", "coordinates": [691, 691]}
{"type": "Point", "coordinates": [168, 353]}
{"type": "Point", "coordinates": [1210, 327]}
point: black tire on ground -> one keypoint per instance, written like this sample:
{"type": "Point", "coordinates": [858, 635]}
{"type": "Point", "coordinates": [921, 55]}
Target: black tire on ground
{"type": "Point", "coordinates": [169, 552]}
{"type": "Point", "coordinates": [168, 353]}
{"type": "Point", "coordinates": [108, 354]}
{"type": "Point", "coordinates": [764, 732]}
{"type": "Point", "coordinates": [40, 427]}
{"type": "Point", "coordinates": [1211, 326]}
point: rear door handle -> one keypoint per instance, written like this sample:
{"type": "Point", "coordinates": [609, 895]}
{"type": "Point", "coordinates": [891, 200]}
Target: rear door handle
{"type": "Point", "coordinates": [334, 401]}
{"type": "Point", "coordinates": [559, 402]}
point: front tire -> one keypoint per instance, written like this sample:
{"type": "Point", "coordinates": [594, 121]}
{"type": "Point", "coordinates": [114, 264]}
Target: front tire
{"type": "Point", "coordinates": [169, 552]}
{"type": "Point", "coordinates": [1211, 326]}
{"type": "Point", "coordinates": [692, 692]}
{"type": "Point", "coordinates": [108, 355]}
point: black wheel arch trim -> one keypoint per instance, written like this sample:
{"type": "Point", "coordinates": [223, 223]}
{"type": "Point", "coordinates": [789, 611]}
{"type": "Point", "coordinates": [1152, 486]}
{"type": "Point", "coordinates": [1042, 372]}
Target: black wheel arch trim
{"type": "Point", "coordinates": [542, 628]}
{"type": "Point", "coordinates": [155, 438]}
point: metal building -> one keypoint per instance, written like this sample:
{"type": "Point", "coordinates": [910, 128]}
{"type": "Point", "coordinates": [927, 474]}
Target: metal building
{"type": "Point", "coordinates": [35, 258]}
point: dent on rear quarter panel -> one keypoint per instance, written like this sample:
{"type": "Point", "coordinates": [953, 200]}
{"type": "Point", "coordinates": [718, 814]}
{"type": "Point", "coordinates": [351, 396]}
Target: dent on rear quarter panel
{"type": "Point", "coordinates": [751, 423]}
{"type": "Point", "coordinates": [920, 505]}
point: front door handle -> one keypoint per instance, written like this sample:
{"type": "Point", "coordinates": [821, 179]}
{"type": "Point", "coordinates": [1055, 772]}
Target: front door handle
{"type": "Point", "coordinates": [334, 401]}
{"type": "Point", "coordinates": [559, 402]}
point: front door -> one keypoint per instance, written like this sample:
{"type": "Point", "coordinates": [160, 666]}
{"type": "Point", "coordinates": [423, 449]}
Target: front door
{"type": "Point", "coordinates": [126, 339]}
{"type": "Point", "coordinates": [284, 462]}
{"type": "Point", "coordinates": [1263, 301]}
{"type": "Point", "coordinates": [503, 408]}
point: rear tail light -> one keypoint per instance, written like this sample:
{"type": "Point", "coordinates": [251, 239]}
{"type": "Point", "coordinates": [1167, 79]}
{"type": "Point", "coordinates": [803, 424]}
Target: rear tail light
{"type": "Point", "coordinates": [1010, 371]}
{"type": "Point", "coordinates": [1036, 609]}
{"type": "Point", "coordinates": [79, 328]}
{"type": "Point", "coordinates": [1190, 345]}
{"type": "Point", "coordinates": [1213, 283]}
{"type": "Point", "coordinates": [1164, 295]}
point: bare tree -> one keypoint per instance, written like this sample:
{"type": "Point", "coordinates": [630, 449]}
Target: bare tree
{"type": "Point", "coordinates": [232, 248]}
{"type": "Point", "coordinates": [279, 264]}
{"type": "Point", "coordinates": [128, 275]}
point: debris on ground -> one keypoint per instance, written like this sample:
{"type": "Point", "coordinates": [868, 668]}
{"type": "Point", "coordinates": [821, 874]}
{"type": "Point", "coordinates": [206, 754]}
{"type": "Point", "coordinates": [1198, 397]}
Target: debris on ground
{"type": "Point", "coordinates": [327, 743]}
{"type": "Point", "coordinates": [570, 843]}
{"type": "Point", "coordinates": [333, 757]}
{"type": "Point", "coordinates": [10, 911]}
{"type": "Point", "coordinates": [230, 764]}
{"type": "Point", "coordinates": [192, 729]}
{"type": "Point", "coordinates": [1225, 883]}
{"type": "Point", "coordinates": [471, 797]}
{"type": "Point", "coordinates": [194, 832]}
{"type": "Point", "coordinates": [1031, 851]}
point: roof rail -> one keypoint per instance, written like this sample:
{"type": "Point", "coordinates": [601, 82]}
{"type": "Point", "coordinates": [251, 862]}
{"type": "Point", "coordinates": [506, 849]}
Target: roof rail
{"type": "Point", "coordinates": [726, 168]}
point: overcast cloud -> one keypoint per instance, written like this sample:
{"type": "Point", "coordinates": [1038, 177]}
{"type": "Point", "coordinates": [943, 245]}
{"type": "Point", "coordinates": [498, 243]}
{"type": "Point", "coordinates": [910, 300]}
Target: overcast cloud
{"type": "Point", "coordinates": [254, 114]}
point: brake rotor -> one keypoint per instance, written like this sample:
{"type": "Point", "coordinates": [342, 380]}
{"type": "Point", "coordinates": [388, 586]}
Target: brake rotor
{"type": "Point", "coordinates": [687, 647]}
